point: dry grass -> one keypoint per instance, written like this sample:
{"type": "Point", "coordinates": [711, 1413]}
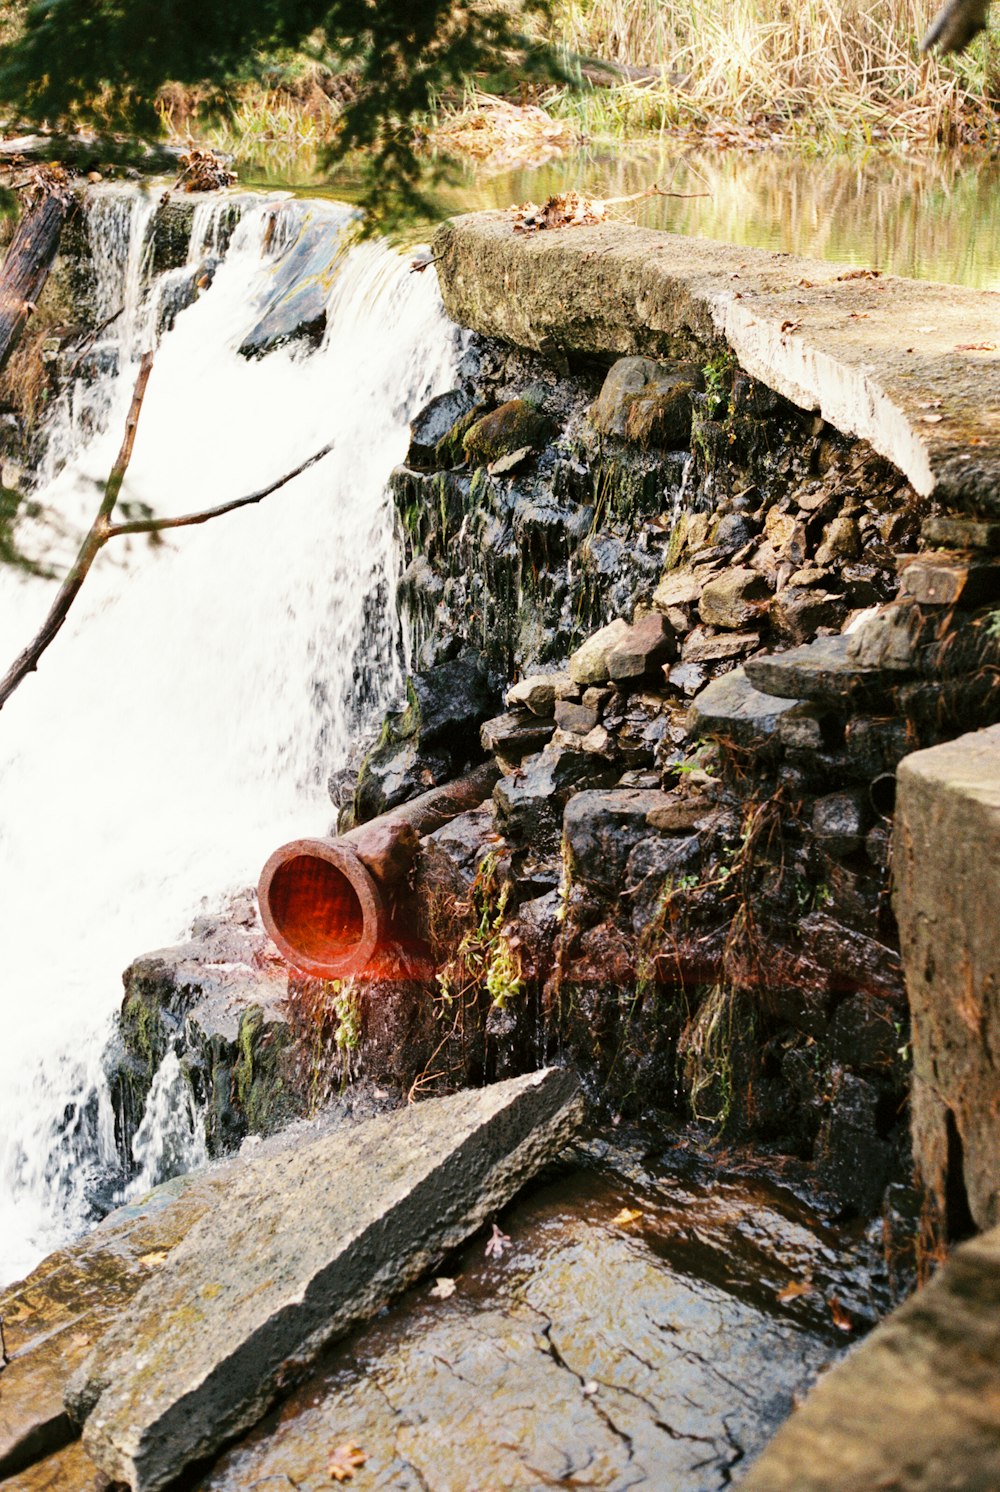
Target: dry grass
{"type": "Point", "coordinates": [495, 133]}
{"type": "Point", "coordinates": [747, 72]}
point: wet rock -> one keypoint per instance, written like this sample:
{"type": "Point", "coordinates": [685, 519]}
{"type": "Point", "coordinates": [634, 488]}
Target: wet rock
{"type": "Point", "coordinates": [642, 650]}
{"type": "Point", "coordinates": [841, 541]}
{"type": "Point", "coordinates": [614, 1386]}
{"type": "Point", "coordinates": [294, 307]}
{"type": "Point", "coordinates": [891, 639]}
{"type": "Point", "coordinates": [703, 647]}
{"type": "Point", "coordinates": [515, 426]}
{"type": "Point", "coordinates": [515, 735]}
{"type": "Point", "coordinates": [578, 720]}
{"type": "Point", "coordinates": [396, 772]}
{"type": "Point", "coordinates": [679, 811]}
{"type": "Point", "coordinates": [678, 589]}
{"type": "Point", "coordinates": [589, 664]}
{"type": "Point", "coordinates": [798, 613]}
{"type": "Point", "coordinates": [203, 1350]}
{"type": "Point", "coordinates": [946, 531]}
{"type": "Point", "coordinates": [822, 670]}
{"type": "Point", "coordinates": [646, 401]}
{"type": "Point", "coordinates": [452, 699]}
{"type": "Point", "coordinates": [600, 830]}
{"type": "Point", "coordinates": [866, 1035]}
{"type": "Point", "coordinates": [530, 802]}
{"type": "Point", "coordinates": [733, 530]}
{"type": "Point", "coordinates": [876, 745]}
{"type": "Point", "coordinates": [452, 855]}
{"type": "Point", "coordinates": [857, 961]}
{"type": "Point", "coordinates": [537, 692]}
{"type": "Point", "coordinates": [912, 1408]}
{"type": "Point", "coordinates": [432, 424]}
{"type": "Point", "coordinates": [852, 1160]}
{"type": "Point", "coordinates": [734, 599]}
{"type": "Point", "coordinates": [657, 864]}
{"type": "Point", "coordinates": [731, 708]}
{"type": "Point", "coordinates": [839, 822]}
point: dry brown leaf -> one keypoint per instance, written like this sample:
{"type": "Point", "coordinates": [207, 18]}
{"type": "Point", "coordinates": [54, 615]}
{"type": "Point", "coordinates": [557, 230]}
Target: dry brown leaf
{"type": "Point", "coordinates": [626, 1216]}
{"type": "Point", "coordinates": [975, 347]}
{"type": "Point", "coordinates": [497, 1243]}
{"type": "Point", "coordinates": [795, 1288]}
{"type": "Point", "coordinates": [861, 274]}
{"type": "Point", "coordinates": [151, 1260]}
{"type": "Point", "coordinates": [790, 326]}
{"type": "Point", "coordinates": [841, 1318]}
{"type": "Point", "coordinates": [345, 1461]}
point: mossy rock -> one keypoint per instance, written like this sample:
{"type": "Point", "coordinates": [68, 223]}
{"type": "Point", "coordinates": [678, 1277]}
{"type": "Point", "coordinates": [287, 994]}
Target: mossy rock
{"type": "Point", "coordinates": [514, 426]}
{"type": "Point", "coordinates": [262, 1074]}
{"type": "Point", "coordinates": [450, 449]}
{"type": "Point", "coordinates": [660, 418]}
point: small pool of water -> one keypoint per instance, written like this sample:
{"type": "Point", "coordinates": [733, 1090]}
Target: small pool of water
{"type": "Point", "coordinates": [932, 217]}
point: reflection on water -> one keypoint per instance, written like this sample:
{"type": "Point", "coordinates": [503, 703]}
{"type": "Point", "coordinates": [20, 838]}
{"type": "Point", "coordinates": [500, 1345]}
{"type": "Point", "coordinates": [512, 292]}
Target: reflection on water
{"type": "Point", "coordinates": [931, 217]}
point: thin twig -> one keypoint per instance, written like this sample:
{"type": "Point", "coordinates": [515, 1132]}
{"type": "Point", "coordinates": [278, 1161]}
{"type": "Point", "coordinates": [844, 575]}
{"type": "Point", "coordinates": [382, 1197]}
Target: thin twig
{"type": "Point", "coordinates": [188, 520]}
{"type": "Point", "coordinates": [27, 661]}
{"type": "Point", "coordinates": [4, 1354]}
{"type": "Point", "coordinates": [102, 529]}
{"type": "Point", "coordinates": [92, 337]}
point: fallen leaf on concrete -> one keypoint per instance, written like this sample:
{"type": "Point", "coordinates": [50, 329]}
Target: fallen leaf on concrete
{"type": "Point", "coordinates": [444, 1288]}
{"type": "Point", "coordinates": [626, 1216]}
{"type": "Point", "coordinates": [975, 347]}
{"type": "Point", "coordinates": [795, 1288]}
{"type": "Point", "coordinates": [790, 326]}
{"type": "Point", "coordinates": [345, 1461]}
{"type": "Point", "coordinates": [932, 419]}
{"type": "Point", "coordinates": [79, 1339]}
{"type": "Point", "coordinates": [929, 403]}
{"type": "Point", "coordinates": [861, 274]}
{"type": "Point", "coordinates": [841, 1318]}
{"type": "Point", "coordinates": [158, 1256]}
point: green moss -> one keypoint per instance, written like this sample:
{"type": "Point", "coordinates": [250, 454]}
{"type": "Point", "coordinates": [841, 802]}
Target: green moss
{"type": "Point", "coordinates": [514, 425]}
{"type": "Point", "coordinates": [450, 449]}
{"type": "Point", "coordinates": [259, 1076]}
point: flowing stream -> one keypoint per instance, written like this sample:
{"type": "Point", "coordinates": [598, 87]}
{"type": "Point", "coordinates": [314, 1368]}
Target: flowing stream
{"type": "Point", "coordinates": [185, 720]}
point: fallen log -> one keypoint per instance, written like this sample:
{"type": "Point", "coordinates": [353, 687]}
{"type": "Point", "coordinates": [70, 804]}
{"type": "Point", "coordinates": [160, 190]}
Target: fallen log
{"type": "Point", "coordinates": [28, 261]}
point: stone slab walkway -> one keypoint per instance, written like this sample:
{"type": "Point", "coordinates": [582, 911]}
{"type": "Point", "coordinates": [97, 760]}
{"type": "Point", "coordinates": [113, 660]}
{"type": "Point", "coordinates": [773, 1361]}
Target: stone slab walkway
{"type": "Point", "coordinates": [911, 367]}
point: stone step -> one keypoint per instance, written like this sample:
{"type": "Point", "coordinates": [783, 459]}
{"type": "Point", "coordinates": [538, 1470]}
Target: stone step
{"type": "Point", "coordinates": [730, 707]}
{"type": "Point", "coordinates": [302, 1247]}
{"type": "Point", "coordinates": [822, 670]}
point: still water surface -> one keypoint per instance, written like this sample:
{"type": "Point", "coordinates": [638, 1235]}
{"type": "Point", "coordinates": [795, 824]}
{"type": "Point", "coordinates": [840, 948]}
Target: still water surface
{"type": "Point", "coordinates": [934, 217]}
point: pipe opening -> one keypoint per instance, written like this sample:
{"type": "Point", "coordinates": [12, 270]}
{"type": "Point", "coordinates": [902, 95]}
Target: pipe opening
{"type": "Point", "coordinates": [882, 794]}
{"type": "Point", "coordinates": [316, 909]}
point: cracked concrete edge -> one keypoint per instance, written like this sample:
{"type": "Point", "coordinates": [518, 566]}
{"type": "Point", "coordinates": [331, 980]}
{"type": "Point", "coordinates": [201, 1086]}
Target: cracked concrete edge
{"type": "Point", "coordinates": [149, 1450]}
{"type": "Point", "coordinates": [829, 343]}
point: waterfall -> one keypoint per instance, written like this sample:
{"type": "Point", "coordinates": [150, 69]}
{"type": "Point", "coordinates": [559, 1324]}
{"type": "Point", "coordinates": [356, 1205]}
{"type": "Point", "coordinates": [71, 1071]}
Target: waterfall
{"type": "Point", "coordinates": [185, 720]}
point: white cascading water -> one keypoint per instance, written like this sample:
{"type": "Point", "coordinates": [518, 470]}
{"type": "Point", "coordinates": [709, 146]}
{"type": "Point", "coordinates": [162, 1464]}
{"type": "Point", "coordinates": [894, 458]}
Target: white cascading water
{"type": "Point", "coordinates": [184, 722]}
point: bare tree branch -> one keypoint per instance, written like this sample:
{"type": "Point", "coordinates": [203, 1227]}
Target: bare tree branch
{"type": "Point", "coordinates": [102, 529]}
{"type": "Point", "coordinates": [188, 520]}
{"type": "Point", "coordinates": [27, 661]}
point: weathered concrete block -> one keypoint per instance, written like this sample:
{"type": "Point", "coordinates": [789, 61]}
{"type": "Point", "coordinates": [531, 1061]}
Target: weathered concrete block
{"type": "Point", "coordinates": [915, 1408]}
{"type": "Point", "coordinates": [947, 900]}
{"type": "Point", "coordinates": [299, 1249]}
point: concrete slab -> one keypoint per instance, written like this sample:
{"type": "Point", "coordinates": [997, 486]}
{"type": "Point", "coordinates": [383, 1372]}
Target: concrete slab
{"type": "Point", "coordinates": [911, 367]}
{"type": "Point", "coordinates": [915, 1408]}
{"type": "Point", "coordinates": [301, 1247]}
{"type": "Point", "coordinates": [946, 865]}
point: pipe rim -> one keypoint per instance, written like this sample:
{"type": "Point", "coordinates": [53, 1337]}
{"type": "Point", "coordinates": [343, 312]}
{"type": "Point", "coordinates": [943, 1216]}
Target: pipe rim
{"type": "Point", "coordinates": [373, 915]}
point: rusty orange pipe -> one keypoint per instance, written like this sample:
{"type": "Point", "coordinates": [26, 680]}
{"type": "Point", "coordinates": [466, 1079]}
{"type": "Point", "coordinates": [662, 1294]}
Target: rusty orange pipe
{"type": "Point", "coordinates": [327, 902]}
